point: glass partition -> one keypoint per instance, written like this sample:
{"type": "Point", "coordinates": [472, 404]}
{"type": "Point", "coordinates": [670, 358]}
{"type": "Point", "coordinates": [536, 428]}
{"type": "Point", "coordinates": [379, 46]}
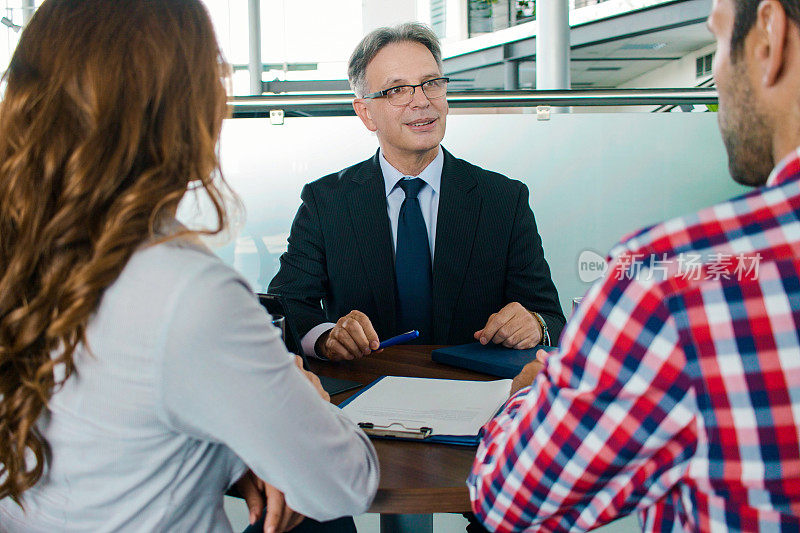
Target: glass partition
{"type": "Point", "coordinates": [592, 177]}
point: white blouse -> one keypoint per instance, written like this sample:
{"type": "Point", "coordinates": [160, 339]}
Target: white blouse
{"type": "Point", "coordinates": [184, 383]}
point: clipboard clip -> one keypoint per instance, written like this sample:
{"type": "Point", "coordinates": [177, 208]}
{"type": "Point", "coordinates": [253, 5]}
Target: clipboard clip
{"type": "Point", "coordinates": [401, 432]}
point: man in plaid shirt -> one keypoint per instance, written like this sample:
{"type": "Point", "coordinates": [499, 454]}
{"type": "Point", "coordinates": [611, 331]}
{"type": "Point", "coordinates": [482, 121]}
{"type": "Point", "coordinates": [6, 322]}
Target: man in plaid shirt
{"type": "Point", "coordinates": [676, 389]}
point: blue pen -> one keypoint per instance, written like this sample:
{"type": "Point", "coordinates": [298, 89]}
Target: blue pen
{"type": "Point", "coordinates": [400, 339]}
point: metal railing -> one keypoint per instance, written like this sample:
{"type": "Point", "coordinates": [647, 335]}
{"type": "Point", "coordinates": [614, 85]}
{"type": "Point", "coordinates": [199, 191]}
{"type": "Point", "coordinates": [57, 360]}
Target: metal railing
{"type": "Point", "coordinates": [311, 105]}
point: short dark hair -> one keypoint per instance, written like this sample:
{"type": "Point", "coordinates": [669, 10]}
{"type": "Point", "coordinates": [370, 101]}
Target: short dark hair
{"type": "Point", "coordinates": [375, 40]}
{"type": "Point", "coordinates": [745, 17]}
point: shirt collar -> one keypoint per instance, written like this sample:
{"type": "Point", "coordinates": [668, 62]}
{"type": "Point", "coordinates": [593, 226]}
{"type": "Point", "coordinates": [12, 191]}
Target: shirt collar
{"type": "Point", "coordinates": [432, 174]}
{"type": "Point", "coordinates": [789, 166]}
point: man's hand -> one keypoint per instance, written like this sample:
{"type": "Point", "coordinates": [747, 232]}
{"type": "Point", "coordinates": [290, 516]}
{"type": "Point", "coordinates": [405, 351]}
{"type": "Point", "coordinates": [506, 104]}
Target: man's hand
{"type": "Point", "coordinates": [352, 337]}
{"type": "Point", "coordinates": [311, 377]}
{"type": "Point", "coordinates": [513, 326]}
{"type": "Point", "coordinates": [279, 517]}
{"type": "Point", "coordinates": [528, 374]}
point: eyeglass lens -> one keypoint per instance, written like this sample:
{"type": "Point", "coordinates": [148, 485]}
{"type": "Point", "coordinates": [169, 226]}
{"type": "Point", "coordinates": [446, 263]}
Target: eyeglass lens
{"type": "Point", "coordinates": [435, 88]}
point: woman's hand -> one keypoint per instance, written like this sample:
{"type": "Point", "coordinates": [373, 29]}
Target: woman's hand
{"type": "Point", "coordinates": [312, 378]}
{"type": "Point", "coordinates": [257, 493]}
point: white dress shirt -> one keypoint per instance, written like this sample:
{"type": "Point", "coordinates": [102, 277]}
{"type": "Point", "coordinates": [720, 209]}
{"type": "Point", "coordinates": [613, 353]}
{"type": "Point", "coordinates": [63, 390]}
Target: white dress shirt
{"type": "Point", "coordinates": [428, 195]}
{"type": "Point", "coordinates": [428, 202]}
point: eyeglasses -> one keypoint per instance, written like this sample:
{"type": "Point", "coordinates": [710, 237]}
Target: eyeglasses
{"type": "Point", "coordinates": [403, 94]}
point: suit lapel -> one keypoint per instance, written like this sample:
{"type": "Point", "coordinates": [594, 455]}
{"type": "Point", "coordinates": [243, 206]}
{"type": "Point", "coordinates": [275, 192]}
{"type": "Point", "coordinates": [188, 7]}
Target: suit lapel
{"type": "Point", "coordinates": [373, 234]}
{"type": "Point", "coordinates": [457, 222]}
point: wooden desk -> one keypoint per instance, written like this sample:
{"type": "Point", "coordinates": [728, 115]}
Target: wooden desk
{"type": "Point", "coordinates": [416, 477]}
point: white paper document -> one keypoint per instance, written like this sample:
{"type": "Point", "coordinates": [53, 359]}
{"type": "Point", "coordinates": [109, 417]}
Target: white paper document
{"type": "Point", "coordinates": [448, 407]}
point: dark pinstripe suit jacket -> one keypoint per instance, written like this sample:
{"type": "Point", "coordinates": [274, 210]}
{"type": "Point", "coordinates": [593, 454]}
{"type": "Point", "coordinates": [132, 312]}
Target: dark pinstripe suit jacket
{"type": "Point", "coordinates": [488, 253]}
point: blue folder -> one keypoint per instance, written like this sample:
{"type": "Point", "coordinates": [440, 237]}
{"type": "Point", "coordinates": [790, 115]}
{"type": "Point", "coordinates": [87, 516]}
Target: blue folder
{"type": "Point", "coordinates": [492, 359]}
{"type": "Point", "coordinates": [460, 440]}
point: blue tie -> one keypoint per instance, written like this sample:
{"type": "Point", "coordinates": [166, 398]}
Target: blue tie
{"type": "Point", "coordinates": [413, 265]}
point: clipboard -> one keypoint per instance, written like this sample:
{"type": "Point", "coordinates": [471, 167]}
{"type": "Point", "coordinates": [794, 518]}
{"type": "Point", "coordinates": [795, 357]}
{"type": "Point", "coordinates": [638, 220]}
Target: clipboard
{"type": "Point", "coordinates": [396, 430]}
{"type": "Point", "coordinates": [422, 433]}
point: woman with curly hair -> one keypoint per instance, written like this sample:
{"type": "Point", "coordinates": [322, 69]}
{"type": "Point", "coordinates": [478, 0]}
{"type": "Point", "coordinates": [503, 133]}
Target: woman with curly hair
{"type": "Point", "coordinates": [138, 375]}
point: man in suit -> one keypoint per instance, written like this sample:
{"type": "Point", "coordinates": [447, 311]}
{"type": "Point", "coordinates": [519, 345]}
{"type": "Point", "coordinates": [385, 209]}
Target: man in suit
{"type": "Point", "coordinates": [413, 238]}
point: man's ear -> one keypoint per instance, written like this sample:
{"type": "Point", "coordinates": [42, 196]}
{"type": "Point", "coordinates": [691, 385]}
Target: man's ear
{"type": "Point", "coordinates": [771, 41]}
{"type": "Point", "coordinates": [361, 109]}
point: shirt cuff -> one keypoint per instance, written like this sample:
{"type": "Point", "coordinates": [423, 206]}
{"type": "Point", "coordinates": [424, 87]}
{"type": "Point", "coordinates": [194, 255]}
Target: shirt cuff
{"type": "Point", "coordinates": [310, 339]}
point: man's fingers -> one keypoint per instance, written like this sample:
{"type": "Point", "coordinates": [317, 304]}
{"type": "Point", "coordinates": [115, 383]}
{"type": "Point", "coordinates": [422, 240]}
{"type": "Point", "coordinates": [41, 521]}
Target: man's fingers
{"type": "Point", "coordinates": [336, 352]}
{"type": "Point", "coordinates": [352, 337]}
{"type": "Point", "coordinates": [516, 384]}
{"type": "Point", "coordinates": [346, 345]}
{"type": "Point", "coordinates": [527, 333]}
{"type": "Point", "coordinates": [507, 330]}
{"type": "Point", "coordinates": [528, 343]}
{"type": "Point", "coordinates": [500, 320]}
{"type": "Point", "coordinates": [512, 340]}
{"type": "Point", "coordinates": [370, 334]}
{"type": "Point", "coordinates": [525, 344]}
{"type": "Point", "coordinates": [353, 323]}
{"type": "Point", "coordinates": [359, 336]}
{"type": "Point", "coordinates": [370, 339]}
{"type": "Point", "coordinates": [525, 377]}
{"type": "Point", "coordinates": [275, 509]}
{"type": "Point", "coordinates": [532, 334]}
{"type": "Point", "coordinates": [509, 311]}
{"type": "Point", "coordinates": [491, 327]}
{"type": "Point", "coordinates": [513, 327]}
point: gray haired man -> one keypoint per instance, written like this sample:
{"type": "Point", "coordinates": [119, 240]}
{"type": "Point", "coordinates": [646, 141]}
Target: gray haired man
{"type": "Point", "coordinates": [413, 238]}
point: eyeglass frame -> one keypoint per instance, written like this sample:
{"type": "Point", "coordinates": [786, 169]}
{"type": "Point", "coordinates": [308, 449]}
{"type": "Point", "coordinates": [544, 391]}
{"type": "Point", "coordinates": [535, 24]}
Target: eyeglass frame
{"type": "Point", "coordinates": [379, 94]}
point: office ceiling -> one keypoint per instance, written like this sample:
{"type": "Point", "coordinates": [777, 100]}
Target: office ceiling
{"type": "Point", "coordinates": [604, 54]}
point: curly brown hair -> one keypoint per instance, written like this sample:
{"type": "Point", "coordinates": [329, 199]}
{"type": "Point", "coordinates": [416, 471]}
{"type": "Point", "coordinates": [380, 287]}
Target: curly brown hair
{"type": "Point", "coordinates": [112, 110]}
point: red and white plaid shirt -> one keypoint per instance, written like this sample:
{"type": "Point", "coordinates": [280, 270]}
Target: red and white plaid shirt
{"type": "Point", "coordinates": [676, 389]}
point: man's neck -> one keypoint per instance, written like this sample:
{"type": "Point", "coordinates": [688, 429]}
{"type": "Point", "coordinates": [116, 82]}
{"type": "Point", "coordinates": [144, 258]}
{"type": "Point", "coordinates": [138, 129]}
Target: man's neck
{"type": "Point", "coordinates": [411, 164]}
{"type": "Point", "coordinates": [784, 146]}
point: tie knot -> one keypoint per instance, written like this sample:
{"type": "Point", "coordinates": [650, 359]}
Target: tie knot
{"type": "Point", "coordinates": [411, 187]}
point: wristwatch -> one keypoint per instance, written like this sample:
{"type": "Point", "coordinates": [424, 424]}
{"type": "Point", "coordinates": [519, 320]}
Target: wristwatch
{"type": "Point", "coordinates": [545, 333]}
